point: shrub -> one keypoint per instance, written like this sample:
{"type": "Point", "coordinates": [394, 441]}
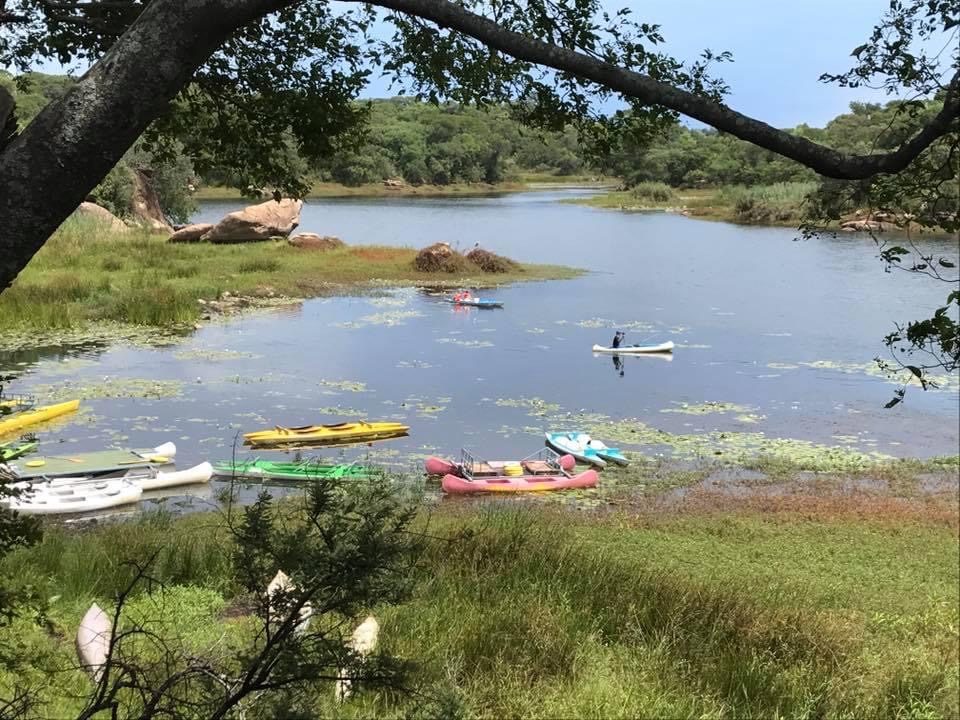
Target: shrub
{"type": "Point", "coordinates": [653, 191]}
{"type": "Point", "coordinates": [780, 202]}
{"type": "Point", "coordinates": [253, 265]}
{"type": "Point", "coordinates": [115, 193]}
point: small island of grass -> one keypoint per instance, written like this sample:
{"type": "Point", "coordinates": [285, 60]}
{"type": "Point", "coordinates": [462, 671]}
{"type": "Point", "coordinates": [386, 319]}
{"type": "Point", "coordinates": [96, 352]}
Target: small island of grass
{"type": "Point", "coordinates": [86, 276]}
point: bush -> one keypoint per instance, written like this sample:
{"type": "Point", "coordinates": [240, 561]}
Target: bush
{"type": "Point", "coordinates": [780, 202]}
{"type": "Point", "coordinates": [653, 191]}
{"type": "Point", "coordinates": [259, 265]}
{"type": "Point", "coordinates": [115, 193]}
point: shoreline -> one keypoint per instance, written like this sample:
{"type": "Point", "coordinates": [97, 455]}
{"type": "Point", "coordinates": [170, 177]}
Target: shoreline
{"type": "Point", "coordinates": [332, 190]}
{"type": "Point", "coordinates": [836, 580]}
{"type": "Point", "coordinates": [90, 285]}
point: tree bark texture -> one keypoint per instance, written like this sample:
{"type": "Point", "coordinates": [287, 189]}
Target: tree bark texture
{"type": "Point", "coordinates": [47, 170]}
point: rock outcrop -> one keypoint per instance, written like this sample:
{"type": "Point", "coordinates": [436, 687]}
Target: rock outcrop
{"type": "Point", "coordinates": [101, 216]}
{"type": "Point", "coordinates": [312, 241]}
{"type": "Point", "coordinates": [490, 262]}
{"type": "Point", "coordinates": [860, 225]}
{"type": "Point", "coordinates": [190, 233]}
{"type": "Point", "coordinates": [145, 207]}
{"type": "Point", "coordinates": [257, 222]}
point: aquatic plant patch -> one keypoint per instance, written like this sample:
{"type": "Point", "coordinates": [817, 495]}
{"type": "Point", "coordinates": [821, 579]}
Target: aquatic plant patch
{"type": "Point", "coordinates": [707, 408]}
{"type": "Point", "coordinates": [610, 324]}
{"type": "Point", "coordinates": [534, 406]}
{"type": "Point", "coordinates": [344, 385]}
{"type": "Point", "coordinates": [465, 343]}
{"type": "Point", "coordinates": [389, 319]}
{"type": "Point", "coordinates": [116, 387]}
{"type": "Point", "coordinates": [214, 355]}
{"type": "Point", "coordinates": [942, 382]}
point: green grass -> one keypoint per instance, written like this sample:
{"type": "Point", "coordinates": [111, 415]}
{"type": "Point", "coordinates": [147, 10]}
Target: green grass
{"type": "Point", "coordinates": [778, 204]}
{"type": "Point", "coordinates": [767, 204]}
{"type": "Point", "coordinates": [528, 611]}
{"type": "Point", "coordinates": [84, 275]}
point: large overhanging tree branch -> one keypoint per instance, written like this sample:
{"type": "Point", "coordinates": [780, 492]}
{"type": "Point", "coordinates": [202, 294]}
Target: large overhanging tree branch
{"type": "Point", "coordinates": [647, 90]}
{"type": "Point", "coordinates": [148, 54]}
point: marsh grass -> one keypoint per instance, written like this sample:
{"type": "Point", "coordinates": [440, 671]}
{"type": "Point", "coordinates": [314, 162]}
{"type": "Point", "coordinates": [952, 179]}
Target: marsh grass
{"type": "Point", "coordinates": [654, 191]}
{"type": "Point", "coordinates": [552, 613]}
{"type": "Point", "coordinates": [83, 275]}
{"type": "Point", "coordinates": [777, 204]}
{"type": "Point", "coordinates": [764, 204]}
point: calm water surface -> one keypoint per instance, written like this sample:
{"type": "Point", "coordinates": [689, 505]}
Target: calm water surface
{"type": "Point", "coordinates": [747, 308]}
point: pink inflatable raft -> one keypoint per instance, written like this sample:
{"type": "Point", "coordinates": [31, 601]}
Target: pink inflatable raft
{"type": "Point", "coordinates": [542, 471]}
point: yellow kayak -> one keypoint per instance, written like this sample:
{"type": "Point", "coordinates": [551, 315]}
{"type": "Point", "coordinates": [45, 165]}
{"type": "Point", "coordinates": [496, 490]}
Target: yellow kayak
{"type": "Point", "coordinates": [342, 433]}
{"type": "Point", "coordinates": [32, 417]}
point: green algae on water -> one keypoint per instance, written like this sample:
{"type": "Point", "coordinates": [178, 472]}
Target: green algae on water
{"type": "Point", "coordinates": [345, 385]}
{"type": "Point", "coordinates": [389, 319]}
{"type": "Point", "coordinates": [707, 408]}
{"type": "Point", "coordinates": [534, 406]}
{"type": "Point", "coordinates": [108, 387]}
{"type": "Point", "coordinates": [466, 343]}
{"type": "Point", "coordinates": [212, 355]}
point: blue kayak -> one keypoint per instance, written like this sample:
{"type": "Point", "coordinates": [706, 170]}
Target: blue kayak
{"type": "Point", "coordinates": [478, 302]}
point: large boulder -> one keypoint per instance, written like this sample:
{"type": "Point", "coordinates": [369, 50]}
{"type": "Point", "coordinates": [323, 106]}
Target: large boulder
{"type": "Point", "coordinates": [312, 241]}
{"type": "Point", "coordinates": [440, 257]}
{"type": "Point", "coordinates": [190, 233]}
{"type": "Point", "coordinates": [101, 216]}
{"type": "Point", "coordinates": [490, 262]}
{"type": "Point", "coordinates": [258, 222]}
{"type": "Point", "coordinates": [861, 225]}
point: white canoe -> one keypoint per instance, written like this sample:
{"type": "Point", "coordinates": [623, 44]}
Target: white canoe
{"type": "Point", "coordinates": [77, 497]}
{"type": "Point", "coordinates": [635, 349]}
{"type": "Point", "coordinates": [197, 474]}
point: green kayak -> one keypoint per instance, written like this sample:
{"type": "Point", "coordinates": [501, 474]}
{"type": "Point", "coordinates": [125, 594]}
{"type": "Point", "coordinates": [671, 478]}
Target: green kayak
{"type": "Point", "coordinates": [307, 470]}
{"type": "Point", "coordinates": [11, 451]}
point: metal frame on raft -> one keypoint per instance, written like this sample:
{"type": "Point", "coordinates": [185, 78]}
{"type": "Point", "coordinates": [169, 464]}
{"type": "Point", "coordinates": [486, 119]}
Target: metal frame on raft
{"type": "Point", "coordinates": [469, 464]}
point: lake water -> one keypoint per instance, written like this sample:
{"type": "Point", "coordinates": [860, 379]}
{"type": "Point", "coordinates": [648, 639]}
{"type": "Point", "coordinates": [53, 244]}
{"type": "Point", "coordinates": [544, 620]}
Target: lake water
{"type": "Point", "coordinates": [783, 331]}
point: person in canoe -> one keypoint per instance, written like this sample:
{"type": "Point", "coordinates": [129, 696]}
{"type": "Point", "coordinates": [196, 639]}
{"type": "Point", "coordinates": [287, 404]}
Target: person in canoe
{"type": "Point", "coordinates": [617, 339]}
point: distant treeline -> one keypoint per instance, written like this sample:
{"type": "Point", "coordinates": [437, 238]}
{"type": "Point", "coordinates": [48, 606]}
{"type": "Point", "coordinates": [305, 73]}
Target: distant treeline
{"type": "Point", "coordinates": [422, 143]}
{"type": "Point", "coordinates": [707, 158]}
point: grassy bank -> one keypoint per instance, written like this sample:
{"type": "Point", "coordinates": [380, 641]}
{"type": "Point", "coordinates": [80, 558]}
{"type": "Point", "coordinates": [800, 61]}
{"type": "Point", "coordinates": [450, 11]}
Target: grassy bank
{"type": "Point", "coordinates": [780, 204]}
{"type": "Point", "coordinates": [688, 610]}
{"type": "Point", "coordinates": [525, 182]}
{"type": "Point", "coordinates": [84, 275]}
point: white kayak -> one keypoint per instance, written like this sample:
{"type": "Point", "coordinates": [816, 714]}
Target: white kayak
{"type": "Point", "coordinates": [158, 479]}
{"type": "Point", "coordinates": [666, 347]}
{"type": "Point", "coordinates": [76, 497]}
{"type": "Point", "coordinates": [151, 479]}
